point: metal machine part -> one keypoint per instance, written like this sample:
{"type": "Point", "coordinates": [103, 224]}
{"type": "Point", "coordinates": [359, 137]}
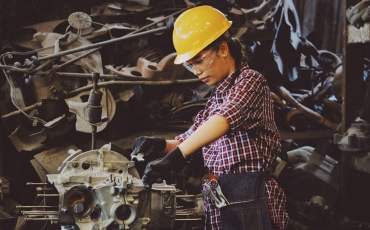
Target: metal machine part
{"type": "Point", "coordinates": [309, 173]}
{"type": "Point", "coordinates": [79, 20]}
{"type": "Point", "coordinates": [101, 189]}
{"type": "Point", "coordinates": [356, 138]}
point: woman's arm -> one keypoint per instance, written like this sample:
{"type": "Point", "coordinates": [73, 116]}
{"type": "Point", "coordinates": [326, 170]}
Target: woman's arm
{"type": "Point", "coordinates": [170, 145]}
{"type": "Point", "coordinates": [214, 128]}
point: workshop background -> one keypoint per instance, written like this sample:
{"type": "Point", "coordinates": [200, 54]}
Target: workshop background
{"type": "Point", "coordinates": [81, 79]}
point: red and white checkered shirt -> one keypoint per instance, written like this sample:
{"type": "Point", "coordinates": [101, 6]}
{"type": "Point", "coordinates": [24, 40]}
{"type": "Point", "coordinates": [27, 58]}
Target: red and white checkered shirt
{"type": "Point", "coordinates": [252, 143]}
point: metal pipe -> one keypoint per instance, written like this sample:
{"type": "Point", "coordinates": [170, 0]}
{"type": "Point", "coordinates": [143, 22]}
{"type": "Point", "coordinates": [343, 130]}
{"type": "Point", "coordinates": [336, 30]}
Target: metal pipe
{"type": "Point", "coordinates": [102, 76]}
{"type": "Point", "coordinates": [35, 206]}
{"type": "Point", "coordinates": [42, 218]}
{"type": "Point", "coordinates": [85, 75]}
{"type": "Point", "coordinates": [109, 83]}
{"type": "Point", "coordinates": [188, 219]}
{"type": "Point", "coordinates": [31, 183]}
{"type": "Point", "coordinates": [301, 109]}
{"type": "Point", "coordinates": [44, 189]}
{"type": "Point", "coordinates": [12, 68]}
{"type": "Point", "coordinates": [75, 59]}
{"type": "Point", "coordinates": [94, 128]}
{"type": "Point", "coordinates": [347, 75]}
{"type": "Point", "coordinates": [156, 22]}
{"type": "Point", "coordinates": [36, 212]}
{"type": "Point", "coordinates": [28, 71]}
{"type": "Point", "coordinates": [25, 109]}
{"type": "Point", "coordinates": [101, 43]}
{"type": "Point", "coordinates": [47, 195]}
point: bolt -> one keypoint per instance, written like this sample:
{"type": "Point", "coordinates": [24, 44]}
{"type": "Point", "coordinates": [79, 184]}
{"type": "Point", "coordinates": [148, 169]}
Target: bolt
{"type": "Point", "coordinates": [95, 227]}
{"type": "Point", "coordinates": [97, 209]}
{"type": "Point", "coordinates": [74, 165]}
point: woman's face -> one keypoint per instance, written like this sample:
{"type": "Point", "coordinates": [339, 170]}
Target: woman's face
{"type": "Point", "coordinates": [211, 66]}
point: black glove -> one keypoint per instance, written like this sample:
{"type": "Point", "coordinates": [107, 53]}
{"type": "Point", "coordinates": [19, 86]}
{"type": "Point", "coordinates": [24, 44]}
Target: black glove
{"type": "Point", "coordinates": [148, 145]}
{"type": "Point", "coordinates": [154, 170]}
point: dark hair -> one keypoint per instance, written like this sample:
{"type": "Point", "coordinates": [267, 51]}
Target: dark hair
{"type": "Point", "coordinates": [235, 46]}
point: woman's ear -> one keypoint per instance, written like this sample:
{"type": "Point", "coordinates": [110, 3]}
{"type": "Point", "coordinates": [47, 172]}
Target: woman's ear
{"type": "Point", "coordinates": [224, 48]}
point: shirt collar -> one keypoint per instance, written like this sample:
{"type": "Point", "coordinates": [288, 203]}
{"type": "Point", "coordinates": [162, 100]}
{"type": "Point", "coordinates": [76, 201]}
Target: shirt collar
{"type": "Point", "coordinates": [229, 80]}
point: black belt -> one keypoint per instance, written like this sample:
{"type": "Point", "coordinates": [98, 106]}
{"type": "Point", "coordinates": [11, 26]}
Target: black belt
{"type": "Point", "coordinates": [267, 176]}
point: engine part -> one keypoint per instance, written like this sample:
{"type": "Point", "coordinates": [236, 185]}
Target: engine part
{"type": "Point", "coordinates": [78, 106]}
{"type": "Point", "coordinates": [356, 139]}
{"type": "Point", "coordinates": [309, 173]}
{"type": "Point", "coordinates": [165, 69]}
{"type": "Point", "coordinates": [101, 188]}
{"type": "Point", "coordinates": [79, 20]}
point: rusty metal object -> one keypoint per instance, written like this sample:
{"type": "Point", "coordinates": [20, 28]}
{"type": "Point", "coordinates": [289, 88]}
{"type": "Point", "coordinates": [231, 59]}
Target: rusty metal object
{"type": "Point", "coordinates": [278, 100]}
{"type": "Point", "coordinates": [46, 87]}
{"type": "Point", "coordinates": [92, 63]}
{"type": "Point", "coordinates": [96, 45]}
{"type": "Point", "coordinates": [163, 70]}
{"type": "Point", "coordinates": [318, 93]}
{"type": "Point", "coordinates": [301, 109]}
{"type": "Point", "coordinates": [128, 36]}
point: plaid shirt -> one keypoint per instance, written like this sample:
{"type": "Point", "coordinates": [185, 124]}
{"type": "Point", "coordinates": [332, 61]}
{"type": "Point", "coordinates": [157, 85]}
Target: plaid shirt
{"type": "Point", "coordinates": [252, 143]}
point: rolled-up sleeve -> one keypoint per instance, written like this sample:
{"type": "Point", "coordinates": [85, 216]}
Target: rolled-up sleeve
{"type": "Point", "coordinates": [197, 122]}
{"type": "Point", "coordinates": [244, 106]}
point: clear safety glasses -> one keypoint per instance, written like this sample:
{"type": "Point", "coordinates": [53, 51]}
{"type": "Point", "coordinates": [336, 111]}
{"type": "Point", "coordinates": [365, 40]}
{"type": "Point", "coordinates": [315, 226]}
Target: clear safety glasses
{"type": "Point", "coordinates": [200, 62]}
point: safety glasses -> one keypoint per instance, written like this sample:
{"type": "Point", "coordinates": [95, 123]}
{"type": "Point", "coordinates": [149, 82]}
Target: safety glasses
{"type": "Point", "coordinates": [199, 62]}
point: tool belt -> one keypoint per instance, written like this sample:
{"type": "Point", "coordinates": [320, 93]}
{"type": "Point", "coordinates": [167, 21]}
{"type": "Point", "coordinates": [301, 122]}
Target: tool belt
{"type": "Point", "coordinates": [212, 188]}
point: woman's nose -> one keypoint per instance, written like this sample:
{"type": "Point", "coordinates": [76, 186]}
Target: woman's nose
{"type": "Point", "coordinates": [196, 71]}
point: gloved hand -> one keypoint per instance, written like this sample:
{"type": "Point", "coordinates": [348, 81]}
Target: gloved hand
{"type": "Point", "coordinates": [147, 146]}
{"type": "Point", "coordinates": [154, 170]}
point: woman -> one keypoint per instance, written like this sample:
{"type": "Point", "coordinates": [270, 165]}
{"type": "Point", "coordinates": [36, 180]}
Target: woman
{"type": "Point", "coordinates": [236, 130]}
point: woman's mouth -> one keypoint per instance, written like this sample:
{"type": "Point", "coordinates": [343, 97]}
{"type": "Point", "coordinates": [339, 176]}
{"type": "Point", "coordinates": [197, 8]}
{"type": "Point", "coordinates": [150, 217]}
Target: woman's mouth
{"type": "Point", "coordinates": [205, 79]}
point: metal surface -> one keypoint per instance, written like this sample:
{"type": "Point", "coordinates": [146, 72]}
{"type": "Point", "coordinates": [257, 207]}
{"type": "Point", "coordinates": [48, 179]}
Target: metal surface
{"type": "Point", "coordinates": [51, 159]}
{"type": "Point", "coordinates": [79, 20]}
{"type": "Point", "coordinates": [100, 183]}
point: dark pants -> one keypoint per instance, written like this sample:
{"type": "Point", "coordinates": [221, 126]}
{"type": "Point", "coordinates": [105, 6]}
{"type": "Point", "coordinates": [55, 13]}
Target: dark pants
{"type": "Point", "coordinates": [248, 207]}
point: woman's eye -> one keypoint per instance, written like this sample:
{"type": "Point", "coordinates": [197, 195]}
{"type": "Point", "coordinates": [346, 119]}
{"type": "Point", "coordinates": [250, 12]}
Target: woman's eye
{"type": "Point", "coordinates": [197, 62]}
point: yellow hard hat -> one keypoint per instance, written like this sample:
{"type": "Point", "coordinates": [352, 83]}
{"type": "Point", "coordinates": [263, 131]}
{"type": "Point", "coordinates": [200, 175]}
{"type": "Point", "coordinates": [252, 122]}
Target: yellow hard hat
{"type": "Point", "coordinates": [195, 29]}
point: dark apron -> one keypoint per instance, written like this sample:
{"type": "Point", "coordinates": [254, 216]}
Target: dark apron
{"type": "Point", "coordinates": [248, 207]}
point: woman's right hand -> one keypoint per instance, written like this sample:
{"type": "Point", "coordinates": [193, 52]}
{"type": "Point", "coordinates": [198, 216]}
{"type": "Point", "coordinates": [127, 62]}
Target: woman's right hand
{"type": "Point", "coordinates": [147, 146]}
